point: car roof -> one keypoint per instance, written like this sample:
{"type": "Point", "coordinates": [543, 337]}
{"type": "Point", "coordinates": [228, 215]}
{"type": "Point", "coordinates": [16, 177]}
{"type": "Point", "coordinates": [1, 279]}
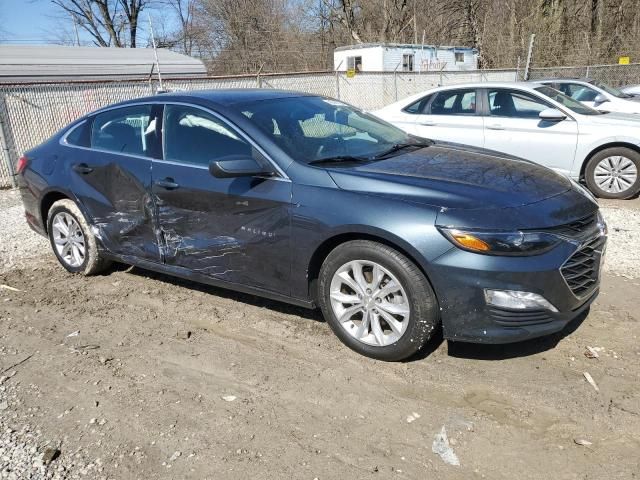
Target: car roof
{"type": "Point", "coordinates": [219, 97]}
{"type": "Point", "coordinates": [565, 79]}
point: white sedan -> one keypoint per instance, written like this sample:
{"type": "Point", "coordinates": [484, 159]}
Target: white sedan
{"type": "Point", "coordinates": [595, 94]}
{"type": "Point", "coordinates": [531, 121]}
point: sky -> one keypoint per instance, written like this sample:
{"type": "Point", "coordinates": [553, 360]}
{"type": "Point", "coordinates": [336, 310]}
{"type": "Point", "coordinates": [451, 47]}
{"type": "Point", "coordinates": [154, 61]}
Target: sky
{"type": "Point", "coordinates": [36, 22]}
{"type": "Point", "coordinates": [26, 21]}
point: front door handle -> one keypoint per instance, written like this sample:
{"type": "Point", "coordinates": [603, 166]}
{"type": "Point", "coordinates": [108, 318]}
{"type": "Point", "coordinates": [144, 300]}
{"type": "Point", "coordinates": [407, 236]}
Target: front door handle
{"type": "Point", "coordinates": [82, 168]}
{"type": "Point", "coordinates": [495, 127]}
{"type": "Point", "coordinates": [428, 124]}
{"type": "Point", "coordinates": [167, 183]}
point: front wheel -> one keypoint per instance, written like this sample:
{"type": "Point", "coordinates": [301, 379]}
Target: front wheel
{"type": "Point", "coordinates": [613, 173]}
{"type": "Point", "coordinates": [376, 300]}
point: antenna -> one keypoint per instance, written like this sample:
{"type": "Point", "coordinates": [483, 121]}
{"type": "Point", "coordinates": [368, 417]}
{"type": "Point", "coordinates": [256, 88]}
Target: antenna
{"type": "Point", "coordinates": [155, 53]}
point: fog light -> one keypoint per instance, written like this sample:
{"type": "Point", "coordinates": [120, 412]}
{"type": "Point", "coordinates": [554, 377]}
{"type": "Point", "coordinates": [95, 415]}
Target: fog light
{"type": "Point", "coordinates": [517, 300]}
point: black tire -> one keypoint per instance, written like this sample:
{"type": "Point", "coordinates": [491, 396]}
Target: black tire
{"type": "Point", "coordinates": [94, 261]}
{"type": "Point", "coordinates": [424, 314]}
{"type": "Point", "coordinates": [612, 152]}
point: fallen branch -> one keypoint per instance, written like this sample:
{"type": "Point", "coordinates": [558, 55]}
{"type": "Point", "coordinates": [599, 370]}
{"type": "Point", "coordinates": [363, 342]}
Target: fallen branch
{"type": "Point", "coordinates": [17, 364]}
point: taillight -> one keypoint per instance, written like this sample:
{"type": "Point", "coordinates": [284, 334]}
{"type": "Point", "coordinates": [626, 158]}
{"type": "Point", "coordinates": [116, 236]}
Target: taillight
{"type": "Point", "coordinates": [22, 164]}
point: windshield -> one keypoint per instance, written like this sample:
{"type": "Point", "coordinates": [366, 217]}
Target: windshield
{"type": "Point", "coordinates": [317, 129]}
{"type": "Point", "coordinates": [568, 102]}
{"type": "Point", "coordinates": [610, 90]}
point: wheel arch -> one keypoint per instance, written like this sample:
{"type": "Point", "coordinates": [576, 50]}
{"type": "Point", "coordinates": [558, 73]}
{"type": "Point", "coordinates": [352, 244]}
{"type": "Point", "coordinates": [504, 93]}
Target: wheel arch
{"type": "Point", "coordinates": [330, 243]}
{"type": "Point", "coordinates": [47, 201]}
{"type": "Point", "coordinates": [599, 148]}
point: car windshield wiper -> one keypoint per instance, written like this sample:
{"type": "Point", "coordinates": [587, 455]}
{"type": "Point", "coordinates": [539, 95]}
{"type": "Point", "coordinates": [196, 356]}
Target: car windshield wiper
{"type": "Point", "coordinates": [339, 159]}
{"type": "Point", "coordinates": [401, 146]}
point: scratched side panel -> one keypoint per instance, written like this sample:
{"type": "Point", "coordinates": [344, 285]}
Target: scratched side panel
{"type": "Point", "coordinates": [236, 230]}
{"type": "Point", "coordinates": [116, 195]}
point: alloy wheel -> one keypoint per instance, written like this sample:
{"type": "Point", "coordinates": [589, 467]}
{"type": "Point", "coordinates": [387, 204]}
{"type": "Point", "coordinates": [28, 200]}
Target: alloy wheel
{"type": "Point", "coordinates": [615, 174]}
{"type": "Point", "coordinates": [369, 303]}
{"type": "Point", "coordinates": [68, 239]}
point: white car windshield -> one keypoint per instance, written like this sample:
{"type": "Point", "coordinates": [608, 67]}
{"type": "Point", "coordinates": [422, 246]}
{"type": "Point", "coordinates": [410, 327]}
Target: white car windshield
{"type": "Point", "coordinates": [567, 101]}
{"type": "Point", "coordinates": [610, 90]}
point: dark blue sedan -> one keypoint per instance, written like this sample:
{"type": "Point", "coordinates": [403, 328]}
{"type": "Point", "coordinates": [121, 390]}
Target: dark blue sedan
{"type": "Point", "coordinates": [310, 201]}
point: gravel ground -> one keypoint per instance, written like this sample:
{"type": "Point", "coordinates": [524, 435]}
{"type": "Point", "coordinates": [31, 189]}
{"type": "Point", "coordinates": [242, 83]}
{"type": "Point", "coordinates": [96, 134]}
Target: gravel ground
{"type": "Point", "coordinates": [19, 245]}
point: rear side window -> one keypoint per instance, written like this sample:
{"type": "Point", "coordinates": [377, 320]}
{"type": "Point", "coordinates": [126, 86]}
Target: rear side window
{"type": "Point", "coordinates": [193, 136]}
{"type": "Point", "coordinates": [129, 130]}
{"type": "Point", "coordinates": [454, 102]}
{"type": "Point", "coordinates": [79, 135]}
{"type": "Point", "coordinates": [419, 106]}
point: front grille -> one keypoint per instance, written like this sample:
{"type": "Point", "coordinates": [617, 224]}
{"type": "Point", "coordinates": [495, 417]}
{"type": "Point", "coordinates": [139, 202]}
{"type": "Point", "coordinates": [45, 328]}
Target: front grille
{"type": "Point", "coordinates": [580, 226]}
{"type": "Point", "coordinates": [581, 271]}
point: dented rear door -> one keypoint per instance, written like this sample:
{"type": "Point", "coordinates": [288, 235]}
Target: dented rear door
{"type": "Point", "coordinates": [111, 177]}
{"type": "Point", "coordinates": [231, 229]}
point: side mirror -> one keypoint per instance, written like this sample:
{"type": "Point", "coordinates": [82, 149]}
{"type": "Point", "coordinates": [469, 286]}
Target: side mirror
{"type": "Point", "coordinates": [552, 115]}
{"type": "Point", "coordinates": [600, 98]}
{"type": "Point", "coordinates": [237, 166]}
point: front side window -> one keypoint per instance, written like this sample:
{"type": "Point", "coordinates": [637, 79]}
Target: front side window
{"type": "Point", "coordinates": [311, 129]}
{"type": "Point", "coordinates": [194, 136]}
{"type": "Point", "coordinates": [129, 130]}
{"type": "Point", "coordinates": [407, 62]}
{"type": "Point", "coordinates": [515, 104]}
{"type": "Point", "coordinates": [579, 92]}
{"type": "Point", "coordinates": [454, 102]}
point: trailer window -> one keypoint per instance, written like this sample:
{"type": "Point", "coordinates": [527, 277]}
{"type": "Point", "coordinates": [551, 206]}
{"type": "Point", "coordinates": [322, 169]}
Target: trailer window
{"type": "Point", "coordinates": [354, 63]}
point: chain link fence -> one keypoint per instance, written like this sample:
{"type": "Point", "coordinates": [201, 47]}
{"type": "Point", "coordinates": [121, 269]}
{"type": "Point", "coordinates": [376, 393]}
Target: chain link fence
{"type": "Point", "coordinates": [614, 75]}
{"type": "Point", "coordinates": [31, 113]}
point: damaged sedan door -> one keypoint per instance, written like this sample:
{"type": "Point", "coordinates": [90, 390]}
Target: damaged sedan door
{"type": "Point", "coordinates": [111, 177]}
{"type": "Point", "coordinates": [231, 227]}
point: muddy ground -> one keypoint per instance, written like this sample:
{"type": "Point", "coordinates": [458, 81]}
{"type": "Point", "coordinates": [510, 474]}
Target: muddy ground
{"type": "Point", "coordinates": [242, 387]}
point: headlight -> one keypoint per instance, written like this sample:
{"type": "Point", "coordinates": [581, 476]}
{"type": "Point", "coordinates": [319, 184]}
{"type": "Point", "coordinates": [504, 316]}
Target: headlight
{"type": "Point", "coordinates": [501, 243]}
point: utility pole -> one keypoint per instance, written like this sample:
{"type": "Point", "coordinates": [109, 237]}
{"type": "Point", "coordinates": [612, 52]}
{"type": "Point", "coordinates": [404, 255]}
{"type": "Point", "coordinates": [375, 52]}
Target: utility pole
{"type": "Point", "coordinates": [155, 53]}
{"type": "Point", "coordinates": [75, 27]}
{"type": "Point", "coordinates": [529, 57]}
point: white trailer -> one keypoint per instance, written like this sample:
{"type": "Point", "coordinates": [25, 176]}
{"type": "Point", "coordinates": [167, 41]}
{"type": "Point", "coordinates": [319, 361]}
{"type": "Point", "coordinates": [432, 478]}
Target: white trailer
{"type": "Point", "coordinates": [389, 57]}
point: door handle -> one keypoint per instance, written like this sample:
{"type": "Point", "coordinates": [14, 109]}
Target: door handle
{"type": "Point", "coordinates": [167, 183]}
{"type": "Point", "coordinates": [82, 168]}
{"type": "Point", "coordinates": [428, 124]}
{"type": "Point", "coordinates": [495, 127]}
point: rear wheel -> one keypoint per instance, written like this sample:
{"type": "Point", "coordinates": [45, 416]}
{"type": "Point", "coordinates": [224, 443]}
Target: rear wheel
{"type": "Point", "coordinates": [613, 173]}
{"type": "Point", "coordinates": [376, 300]}
{"type": "Point", "coordinates": [72, 241]}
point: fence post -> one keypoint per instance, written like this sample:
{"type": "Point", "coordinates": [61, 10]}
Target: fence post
{"type": "Point", "coordinates": [587, 74]}
{"type": "Point", "coordinates": [395, 81]}
{"type": "Point", "coordinates": [5, 145]}
{"type": "Point", "coordinates": [338, 80]}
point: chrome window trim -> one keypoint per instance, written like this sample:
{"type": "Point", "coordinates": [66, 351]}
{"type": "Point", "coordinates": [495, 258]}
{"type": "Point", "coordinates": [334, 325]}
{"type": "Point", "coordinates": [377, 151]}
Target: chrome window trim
{"type": "Point", "coordinates": [235, 128]}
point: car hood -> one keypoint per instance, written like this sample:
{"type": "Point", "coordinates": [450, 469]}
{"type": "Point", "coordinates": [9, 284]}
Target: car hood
{"type": "Point", "coordinates": [454, 176]}
{"type": "Point", "coordinates": [615, 119]}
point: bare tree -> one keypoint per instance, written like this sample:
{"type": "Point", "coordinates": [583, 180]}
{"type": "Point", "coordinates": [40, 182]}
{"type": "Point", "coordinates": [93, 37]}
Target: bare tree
{"type": "Point", "coordinates": [106, 20]}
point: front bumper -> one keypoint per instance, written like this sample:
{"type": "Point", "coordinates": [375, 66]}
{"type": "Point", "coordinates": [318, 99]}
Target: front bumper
{"type": "Point", "coordinates": [460, 278]}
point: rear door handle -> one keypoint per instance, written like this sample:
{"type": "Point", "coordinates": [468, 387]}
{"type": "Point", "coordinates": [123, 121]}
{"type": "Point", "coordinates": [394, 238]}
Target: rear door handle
{"type": "Point", "coordinates": [82, 168]}
{"type": "Point", "coordinates": [167, 183]}
{"type": "Point", "coordinates": [428, 124]}
{"type": "Point", "coordinates": [495, 127]}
